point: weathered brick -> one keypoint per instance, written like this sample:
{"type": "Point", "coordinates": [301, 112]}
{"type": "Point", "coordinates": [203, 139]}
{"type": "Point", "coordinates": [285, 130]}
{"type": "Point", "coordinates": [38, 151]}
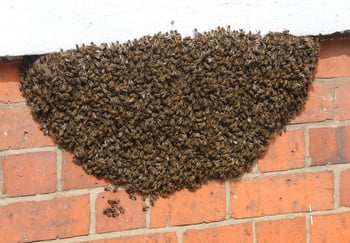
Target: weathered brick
{"type": "Point", "coordinates": [330, 228]}
{"type": "Point", "coordinates": [283, 230]}
{"type": "Point", "coordinates": [342, 100]}
{"type": "Point", "coordinates": [323, 145]}
{"type": "Point", "coordinates": [345, 188]}
{"type": "Point", "coordinates": [329, 145]}
{"type": "Point", "coordinates": [147, 238]}
{"type": "Point", "coordinates": [9, 82]}
{"type": "Point", "coordinates": [133, 218]}
{"type": "Point", "coordinates": [344, 144]}
{"type": "Point", "coordinates": [285, 152]}
{"type": "Point", "coordinates": [9, 71]}
{"type": "Point", "coordinates": [207, 204]}
{"type": "Point", "coordinates": [319, 104]}
{"type": "Point", "coordinates": [43, 220]}
{"type": "Point", "coordinates": [281, 194]}
{"type": "Point", "coordinates": [74, 177]}
{"type": "Point", "coordinates": [9, 92]}
{"type": "Point", "coordinates": [230, 233]}
{"type": "Point", "coordinates": [19, 130]}
{"type": "Point", "coordinates": [30, 173]}
{"type": "Point", "coordinates": [334, 59]}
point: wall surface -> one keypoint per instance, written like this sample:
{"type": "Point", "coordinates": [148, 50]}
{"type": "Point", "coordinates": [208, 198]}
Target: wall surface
{"type": "Point", "coordinates": [41, 26]}
{"type": "Point", "coordinates": [298, 192]}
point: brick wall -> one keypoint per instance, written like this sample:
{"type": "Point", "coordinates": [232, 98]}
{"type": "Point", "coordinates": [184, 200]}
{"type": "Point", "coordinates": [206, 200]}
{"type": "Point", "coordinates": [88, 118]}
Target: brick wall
{"type": "Point", "coordinates": [298, 192]}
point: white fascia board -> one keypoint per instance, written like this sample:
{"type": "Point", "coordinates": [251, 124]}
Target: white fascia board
{"type": "Point", "coordinates": [31, 27]}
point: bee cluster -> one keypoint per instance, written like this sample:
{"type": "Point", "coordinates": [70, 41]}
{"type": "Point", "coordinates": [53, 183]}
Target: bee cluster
{"type": "Point", "coordinates": [114, 209]}
{"type": "Point", "coordinates": [162, 113]}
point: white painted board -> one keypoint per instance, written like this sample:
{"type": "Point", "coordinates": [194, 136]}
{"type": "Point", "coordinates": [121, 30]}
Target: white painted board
{"type": "Point", "coordinates": [42, 26]}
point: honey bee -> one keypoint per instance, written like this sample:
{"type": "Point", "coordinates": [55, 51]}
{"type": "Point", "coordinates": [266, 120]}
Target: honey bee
{"type": "Point", "coordinates": [121, 210]}
{"type": "Point", "coordinates": [132, 197]}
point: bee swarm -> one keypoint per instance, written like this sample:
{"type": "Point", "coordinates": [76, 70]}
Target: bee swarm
{"type": "Point", "coordinates": [162, 113]}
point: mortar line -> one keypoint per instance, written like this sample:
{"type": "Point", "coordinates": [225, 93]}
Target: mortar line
{"type": "Point", "coordinates": [143, 231]}
{"type": "Point", "coordinates": [319, 124]}
{"type": "Point", "coordinates": [255, 166]}
{"type": "Point", "coordinates": [307, 228]}
{"type": "Point", "coordinates": [92, 226]}
{"type": "Point", "coordinates": [312, 169]}
{"type": "Point", "coordinates": [28, 150]}
{"type": "Point", "coordinates": [331, 79]}
{"type": "Point", "coordinates": [48, 196]}
{"type": "Point", "coordinates": [253, 232]}
{"type": "Point", "coordinates": [179, 235]}
{"type": "Point", "coordinates": [336, 191]}
{"type": "Point", "coordinates": [59, 169]}
{"type": "Point", "coordinates": [307, 147]}
{"type": "Point", "coordinates": [227, 198]}
{"type": "Point", "coordinates": [10, 58]}
{"type": "Point", "coordinates": [13, 104]}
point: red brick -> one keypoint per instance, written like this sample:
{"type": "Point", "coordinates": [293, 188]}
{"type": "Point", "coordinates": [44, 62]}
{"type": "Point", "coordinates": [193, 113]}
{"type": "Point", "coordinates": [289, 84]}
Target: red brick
{"type": "Point", "coordinates": [207, 204]}
{"type": "Point", "coordinates": [281, 194]}
{"type": "Point", "coordinates": [329, 145]}
{"type": "Point", "coordinates": [323, 145]}
{"type": "Point", "coordinates": [319, 105]}
{"type": "Point", "coordinates": [334, 59]}
{"type": "Point", "coordinates": [28, 174]}
{"type": "Point", "coordinates": [133, 218]}
{"type": "Point", "coordinates": [9, 92]}
{"type": "Point", "coordinates": [345, 188]}
{"type": "Point", "coordinates": [342, 98]}
{"type": "Point", "coordinates": [148, 238]}
{"type": "Point", "coordinates": [19, 130]}
{"type": "Point", "coordinates": [9, 82]}
{"type": "Point", "coordinates": [330, 228]}
{"type": "Point", "coordinates": [283, 230]}
{"type": "Point", "coordinates": [44, 220]}
{"type": "Point", "coordinates": [343, 141]}
{"type": "Point", "coordinates": [9, 71]}
{"type": "Point", "coordinates": [285, 152]}
{"type": "Point", "coordinates": [74, 177]}
{"type": "Point", "coordinates": [239, 233]}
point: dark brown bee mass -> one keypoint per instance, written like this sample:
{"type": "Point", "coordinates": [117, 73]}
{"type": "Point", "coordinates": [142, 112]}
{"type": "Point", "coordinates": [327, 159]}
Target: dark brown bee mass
{"type": "Point", "coordinates": [114, 209]}
{"type": "Point", "coordinates": [163, 113]}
